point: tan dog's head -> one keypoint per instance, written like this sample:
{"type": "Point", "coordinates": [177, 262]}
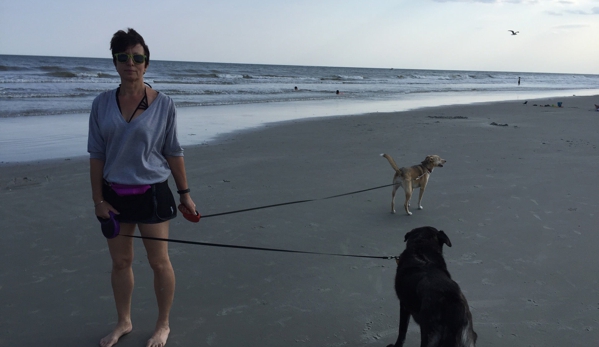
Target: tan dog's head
{"type": "Point", "coordinates": [434, 161]}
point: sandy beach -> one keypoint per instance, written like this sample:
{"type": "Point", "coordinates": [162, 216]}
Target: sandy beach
{"type": "Point", "coordinates": [517, 198]}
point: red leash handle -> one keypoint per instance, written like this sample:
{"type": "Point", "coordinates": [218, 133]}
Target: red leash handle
{"type": "Point", "coordinates": [194, 218]}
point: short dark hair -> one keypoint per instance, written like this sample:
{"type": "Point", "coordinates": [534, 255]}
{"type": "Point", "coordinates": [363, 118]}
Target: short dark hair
{"type": "Point", "coordinates": [122, 40]}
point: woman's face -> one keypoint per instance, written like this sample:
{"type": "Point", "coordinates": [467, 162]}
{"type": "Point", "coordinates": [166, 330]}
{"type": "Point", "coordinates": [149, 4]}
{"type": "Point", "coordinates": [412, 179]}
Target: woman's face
{"type": "Point", "coordinates": [129, 70]}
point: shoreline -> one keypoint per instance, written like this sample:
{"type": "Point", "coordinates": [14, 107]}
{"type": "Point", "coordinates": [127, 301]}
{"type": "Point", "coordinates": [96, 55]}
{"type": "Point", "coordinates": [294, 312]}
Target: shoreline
{"type": "Point", "coordinates": [523, 243]}
{"type": "Point", "coordinates": [38, 138]}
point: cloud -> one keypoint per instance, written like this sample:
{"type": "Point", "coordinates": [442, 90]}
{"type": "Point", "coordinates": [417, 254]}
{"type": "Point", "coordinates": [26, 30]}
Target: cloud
{"type": "Point", "coordinates": [594, 10]}
{"type": "Point", "coordinates": [591, 12]}
{"type": "Point", "coordinates": [494, 1]}
{"type": "Point", "coordinates": [571, 26]}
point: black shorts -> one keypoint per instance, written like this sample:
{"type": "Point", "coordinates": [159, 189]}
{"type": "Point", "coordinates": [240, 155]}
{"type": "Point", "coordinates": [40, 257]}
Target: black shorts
{"type": "Point", "coordinates": [156, 205]}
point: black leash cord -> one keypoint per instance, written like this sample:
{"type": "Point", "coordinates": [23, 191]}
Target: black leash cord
{"type": "Point", "coordinates": [256, 248]}
{"type": "Point", "coordinates": [293, 202]}
{"type": "Point", "coordinates": [271, 249]}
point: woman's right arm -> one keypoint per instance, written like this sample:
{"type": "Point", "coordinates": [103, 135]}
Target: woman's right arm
{"type": "Point", "coordinates": [96, 147]}
{"type": "Point", "coordinates": [96, 175]}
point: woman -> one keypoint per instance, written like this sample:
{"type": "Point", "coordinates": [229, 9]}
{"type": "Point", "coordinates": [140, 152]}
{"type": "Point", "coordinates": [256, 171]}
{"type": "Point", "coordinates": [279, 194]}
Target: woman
{"type": "Point", "coordinates": [133, 142]}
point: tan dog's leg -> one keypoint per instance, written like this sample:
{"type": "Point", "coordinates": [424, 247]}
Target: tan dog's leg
{"type": "Point", "coordinates": [395, 188]}
{"type": "Point", "coordinates": [408, 190]}
{"type": "Point", "coordinates": [420, 197]}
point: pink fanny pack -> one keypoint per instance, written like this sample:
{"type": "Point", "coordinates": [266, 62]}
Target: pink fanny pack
{"type": "Point", "coordinates": [128, 189]}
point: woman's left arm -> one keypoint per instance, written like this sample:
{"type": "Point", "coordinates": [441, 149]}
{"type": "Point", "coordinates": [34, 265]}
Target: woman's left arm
{"type": "Point", "coordinates": [177, 165]}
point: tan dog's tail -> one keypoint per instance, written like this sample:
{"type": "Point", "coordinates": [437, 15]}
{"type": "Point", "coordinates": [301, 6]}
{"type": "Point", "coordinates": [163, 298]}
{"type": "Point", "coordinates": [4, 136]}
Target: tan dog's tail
{"type": "Point", "coordinates": [391, 161]}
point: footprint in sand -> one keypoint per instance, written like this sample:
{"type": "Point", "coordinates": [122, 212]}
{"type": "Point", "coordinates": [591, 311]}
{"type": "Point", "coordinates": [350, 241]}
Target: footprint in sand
{"type": "Point", "coordinates": [25, 182]}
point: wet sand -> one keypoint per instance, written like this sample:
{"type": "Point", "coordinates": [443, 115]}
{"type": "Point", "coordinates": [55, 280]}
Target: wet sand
{"type": "Point", "coordinates": [517, 199]}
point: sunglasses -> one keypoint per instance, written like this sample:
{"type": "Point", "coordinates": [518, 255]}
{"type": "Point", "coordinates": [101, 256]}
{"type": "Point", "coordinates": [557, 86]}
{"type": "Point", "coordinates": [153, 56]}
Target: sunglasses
{"type": "Point", "coordinates": [124, 57]}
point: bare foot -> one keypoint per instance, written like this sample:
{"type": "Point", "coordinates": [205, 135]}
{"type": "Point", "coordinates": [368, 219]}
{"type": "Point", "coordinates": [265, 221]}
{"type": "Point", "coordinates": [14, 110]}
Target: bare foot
{"type": "Point", "coordinates": [160, 336]}
{"type": "Point", "coordinates": [112, 338]}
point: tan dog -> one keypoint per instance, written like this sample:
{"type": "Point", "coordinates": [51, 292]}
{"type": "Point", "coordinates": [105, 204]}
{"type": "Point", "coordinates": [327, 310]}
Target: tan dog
{"type": "Point", "coordinates": [412, 177]}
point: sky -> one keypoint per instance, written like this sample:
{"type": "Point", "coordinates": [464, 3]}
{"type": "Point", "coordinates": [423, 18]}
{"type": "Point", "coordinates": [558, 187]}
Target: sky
{"type": "Point", "coordinates": [560, 36]}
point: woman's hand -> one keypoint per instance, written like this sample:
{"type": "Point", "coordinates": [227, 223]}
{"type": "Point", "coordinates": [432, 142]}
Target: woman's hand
{"type": "Point", "coordinates": [189, 206]}
{"type": "Point", "coordinates": [102, 208]}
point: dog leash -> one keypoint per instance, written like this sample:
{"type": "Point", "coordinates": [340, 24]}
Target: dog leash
{"type": "Point", "coordinates": [295, 202]}
{"type": "Point", "coordinates": [199, 243]}
{"type": "Point", "coordinates": [257, 248]}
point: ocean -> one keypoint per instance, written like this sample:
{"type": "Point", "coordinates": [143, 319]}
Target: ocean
{"type": "Point", "coordinates": [44, 101]}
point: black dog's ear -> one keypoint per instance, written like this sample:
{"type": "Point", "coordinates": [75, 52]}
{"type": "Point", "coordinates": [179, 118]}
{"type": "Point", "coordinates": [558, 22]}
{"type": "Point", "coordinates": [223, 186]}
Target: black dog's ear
{"type": "Point", "coordinates": [443, 238]}
{"type": "Point", "coordinates": [408, 235]}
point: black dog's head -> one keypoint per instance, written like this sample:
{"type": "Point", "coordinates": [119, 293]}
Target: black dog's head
{"type": "Point", "coordinates": [428, 236]}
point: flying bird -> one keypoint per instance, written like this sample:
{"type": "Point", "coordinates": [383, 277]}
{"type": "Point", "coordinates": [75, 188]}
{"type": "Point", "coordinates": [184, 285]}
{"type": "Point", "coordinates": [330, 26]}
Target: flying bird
{"type": "Point", "coordinates": [514, 32]}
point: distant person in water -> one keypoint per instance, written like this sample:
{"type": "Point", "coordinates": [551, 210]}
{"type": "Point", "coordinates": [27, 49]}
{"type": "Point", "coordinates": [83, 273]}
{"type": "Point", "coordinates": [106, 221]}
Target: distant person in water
{"type": "Point", "coordinates": [518, 80]}
{"type": "Point", "coordinates": [295, 88]}
{"type": "Point", "coordinates": [596, 107]}
{"type": "Point", "coordinates": [337, 92]}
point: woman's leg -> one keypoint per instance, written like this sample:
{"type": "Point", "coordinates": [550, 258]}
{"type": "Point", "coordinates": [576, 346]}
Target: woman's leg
{"type": "Point", "coordinates": [121, 252]}
{"type": "Point", "coordinates": [164, 278]}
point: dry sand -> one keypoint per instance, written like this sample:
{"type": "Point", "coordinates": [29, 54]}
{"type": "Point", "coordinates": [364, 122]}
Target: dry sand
{"type": "Point", "coordinates": [519, 203]}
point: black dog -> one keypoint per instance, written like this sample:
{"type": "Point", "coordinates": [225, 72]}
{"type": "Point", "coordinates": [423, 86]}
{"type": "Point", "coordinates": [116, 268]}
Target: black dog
{"type": "Point", "coordinates": [427, 293]}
